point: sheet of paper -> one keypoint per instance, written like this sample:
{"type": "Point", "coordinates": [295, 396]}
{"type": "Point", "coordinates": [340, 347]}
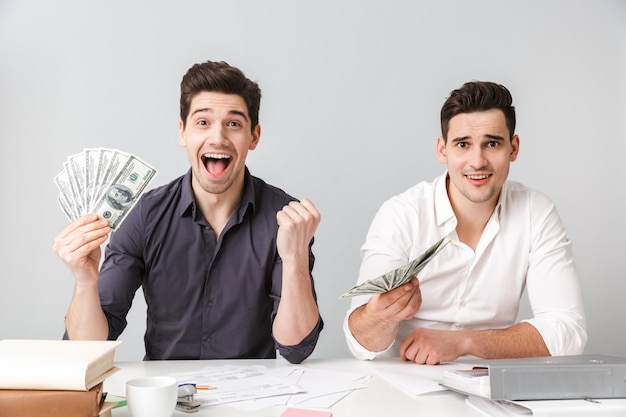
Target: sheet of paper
{"type": "Point", "coordinates": [319, 391]}
{"type": "Point", "coordinates": [412, 378]}
{"type": "Point", "coordinates": [315, 388]}
{"type": "Point", "coordinates": [233, 383]}
{"type": "Point", "coordinates": [324, 388]}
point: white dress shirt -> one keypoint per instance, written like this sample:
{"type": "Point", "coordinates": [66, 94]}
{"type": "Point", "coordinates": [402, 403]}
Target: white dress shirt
{"type": "Point", "coordinates": [524, 244]}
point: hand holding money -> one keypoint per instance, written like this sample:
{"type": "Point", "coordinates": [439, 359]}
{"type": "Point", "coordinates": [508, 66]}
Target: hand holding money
{"type": "Point", "coordinates": [397, 277]}
{"type": "Point", "coordinates": [78, 245]}
{"type": "Point", "coordinates": [104, 181]}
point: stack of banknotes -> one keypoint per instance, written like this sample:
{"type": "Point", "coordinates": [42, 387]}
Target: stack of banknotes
{"type": "Point", "coordinates": [393, 279]}
{"type": "Point", "coordinates": [104, 181]}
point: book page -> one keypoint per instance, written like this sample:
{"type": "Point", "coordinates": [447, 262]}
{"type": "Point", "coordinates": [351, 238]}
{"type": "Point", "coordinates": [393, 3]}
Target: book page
{"type": "Point", "coordinates": [55, 364]}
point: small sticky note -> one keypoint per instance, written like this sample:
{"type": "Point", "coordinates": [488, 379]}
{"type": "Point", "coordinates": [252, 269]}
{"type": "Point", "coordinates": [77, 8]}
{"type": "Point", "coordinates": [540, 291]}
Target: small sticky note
{"type": "Point", "coordinates": [302, 412]}
{"type": "Point", "coordinates": [119, 401]}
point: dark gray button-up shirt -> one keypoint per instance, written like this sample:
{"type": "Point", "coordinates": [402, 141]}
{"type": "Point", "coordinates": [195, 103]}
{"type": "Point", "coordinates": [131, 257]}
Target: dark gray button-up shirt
{"type": "Point", "coordinates": [206, 299]}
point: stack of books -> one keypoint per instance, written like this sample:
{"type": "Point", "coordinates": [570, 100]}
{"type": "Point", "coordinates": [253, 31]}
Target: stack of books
{"type": "Point", "coordinates": [55, 377]}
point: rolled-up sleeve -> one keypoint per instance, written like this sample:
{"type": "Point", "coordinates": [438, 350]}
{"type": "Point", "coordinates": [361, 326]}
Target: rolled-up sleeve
{"type": "Point", "coordinates": [301, 351]}
{"type": "Point", "coordinates": [553, 286]}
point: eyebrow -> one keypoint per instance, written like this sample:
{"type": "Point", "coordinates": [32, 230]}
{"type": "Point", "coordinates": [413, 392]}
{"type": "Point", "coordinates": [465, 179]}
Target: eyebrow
{"type": "Point", "coordinates": [491, 137]}
{"type": "Point", "coordinates": [210, 110]}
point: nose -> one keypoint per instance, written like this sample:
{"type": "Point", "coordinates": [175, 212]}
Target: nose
{"type": "Point", "coordinates": [477, 158]}
{"type": "Point", "coordinates": [217, 134]}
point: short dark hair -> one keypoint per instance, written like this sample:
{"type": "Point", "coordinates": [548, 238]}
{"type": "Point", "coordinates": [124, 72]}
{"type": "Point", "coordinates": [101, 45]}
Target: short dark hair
{"type": "Point", "coordinates": [476, 96]}
{"type": "Point", "coordinates": [223, 78]}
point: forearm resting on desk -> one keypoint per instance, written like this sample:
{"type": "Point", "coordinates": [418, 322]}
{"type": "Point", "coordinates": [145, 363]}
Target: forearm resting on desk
{"type": "Point", "coordinates": [518, 341]}
{"type": "Point", "coordinates": [434, 346]}
{"type": "Point", "coordinates": [85, 319]}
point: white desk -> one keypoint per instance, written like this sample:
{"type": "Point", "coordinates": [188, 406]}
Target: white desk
{"type": "Point", "coordinates": [378, 399]}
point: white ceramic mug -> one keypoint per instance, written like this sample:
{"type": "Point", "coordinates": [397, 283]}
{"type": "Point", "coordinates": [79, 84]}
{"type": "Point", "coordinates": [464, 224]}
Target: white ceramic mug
{"type": "Point", "coordinates": [153, 396]}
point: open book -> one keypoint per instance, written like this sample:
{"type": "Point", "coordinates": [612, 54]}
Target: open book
{"type": "Point", "coordinates": [55, 364]}
{"type": "Point", "coordinates": [393, 279]}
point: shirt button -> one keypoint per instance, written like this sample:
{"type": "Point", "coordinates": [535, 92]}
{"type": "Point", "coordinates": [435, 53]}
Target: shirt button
{"type": "Point", "coordinates": [458, 326]}
{"type": "Point", "coordinates": [463, 304]}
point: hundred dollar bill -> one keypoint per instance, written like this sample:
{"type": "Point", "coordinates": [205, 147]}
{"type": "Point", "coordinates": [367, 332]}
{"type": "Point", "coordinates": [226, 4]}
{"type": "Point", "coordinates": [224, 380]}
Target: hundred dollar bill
{"type": "Point", "coordinates": [62, 181]}
{"type": "Point", "coordinates": [397, 277]}
{"type": "Point", "coordinates": [92, 156]}
{"type": "Point", "coordinates": [77, 200]}
{"type": "Point", "coordinates": [111, 164]}
{"type": "Point", "coordinates": [124, 191]}
{"type": "Point", "coordinates": [76, 166]}
{"type": "Point", "coordinates": [103, 159]}
{"type": "Point", "coordinates": [66, 207]}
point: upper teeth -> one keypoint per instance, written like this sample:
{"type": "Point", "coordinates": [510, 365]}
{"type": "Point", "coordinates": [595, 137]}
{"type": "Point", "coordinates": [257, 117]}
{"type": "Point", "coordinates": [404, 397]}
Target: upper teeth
{"type": "Point", "coordinates": [216, 156]}
{"type": "Point", "coordinates": [478, 177]}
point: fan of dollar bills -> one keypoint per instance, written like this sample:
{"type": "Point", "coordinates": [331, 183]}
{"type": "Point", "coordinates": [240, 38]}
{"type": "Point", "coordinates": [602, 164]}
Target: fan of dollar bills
{"type": "Point", "coordinates": [104, 181]}
{"type": "Point", "coordinates": [397, 277]}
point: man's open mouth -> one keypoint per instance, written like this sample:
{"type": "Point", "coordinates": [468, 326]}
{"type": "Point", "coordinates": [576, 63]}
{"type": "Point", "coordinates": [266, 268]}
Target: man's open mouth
{"type": "Point", "coordinates": [477, 176]}
{"type": "Point", "coordinates": [216, 163]}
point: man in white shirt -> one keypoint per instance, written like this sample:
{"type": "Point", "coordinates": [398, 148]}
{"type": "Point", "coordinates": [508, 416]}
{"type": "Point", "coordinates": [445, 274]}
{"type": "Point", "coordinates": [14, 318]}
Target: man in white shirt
{"type": "Point", "coordinates": [503, 237]}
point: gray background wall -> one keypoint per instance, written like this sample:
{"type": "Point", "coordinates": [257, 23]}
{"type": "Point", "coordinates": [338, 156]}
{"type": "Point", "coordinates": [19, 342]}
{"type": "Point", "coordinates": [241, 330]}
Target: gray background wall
{"type": "Point", "coordinates": [352, 92]}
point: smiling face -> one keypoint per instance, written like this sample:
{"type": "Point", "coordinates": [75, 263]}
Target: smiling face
{"type": "Point", "coordinates": [218, 135]}
{"type": "Point", "coordinates": [478, 152]}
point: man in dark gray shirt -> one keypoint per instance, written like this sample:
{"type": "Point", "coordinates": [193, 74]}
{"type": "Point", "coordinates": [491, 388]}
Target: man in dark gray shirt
{"type": "Point", "coordinates": [224, 259]}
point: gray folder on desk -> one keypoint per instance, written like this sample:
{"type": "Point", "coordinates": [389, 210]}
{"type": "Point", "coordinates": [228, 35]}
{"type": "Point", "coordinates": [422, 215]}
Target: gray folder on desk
{"type": "Point", "coordinates": [556, 377]}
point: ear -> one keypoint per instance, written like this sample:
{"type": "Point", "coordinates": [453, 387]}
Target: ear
{"type": "Point", "coordinates": [181, 134]}
{"type": "Point", "coordinates": [514, 148]}
{"type": "Point", "coordinates": [256, 136]}
{"type": "Point", "coordinates": [441, 150]}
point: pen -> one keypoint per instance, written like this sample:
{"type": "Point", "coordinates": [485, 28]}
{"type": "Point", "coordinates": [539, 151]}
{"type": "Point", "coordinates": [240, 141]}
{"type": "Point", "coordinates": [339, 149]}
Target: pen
{"type": "Point", "coordinates": [196, 386]}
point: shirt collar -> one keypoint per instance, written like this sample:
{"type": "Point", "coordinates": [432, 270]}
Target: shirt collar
{"type": "Point", "coordinates": [248, 199]}
{"type": "Point", "coordinates": [500, 205]}
{"type": "Point", "coordinates": [187, 204]}
{"type": "Point", "coordinates": [443, 207]}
